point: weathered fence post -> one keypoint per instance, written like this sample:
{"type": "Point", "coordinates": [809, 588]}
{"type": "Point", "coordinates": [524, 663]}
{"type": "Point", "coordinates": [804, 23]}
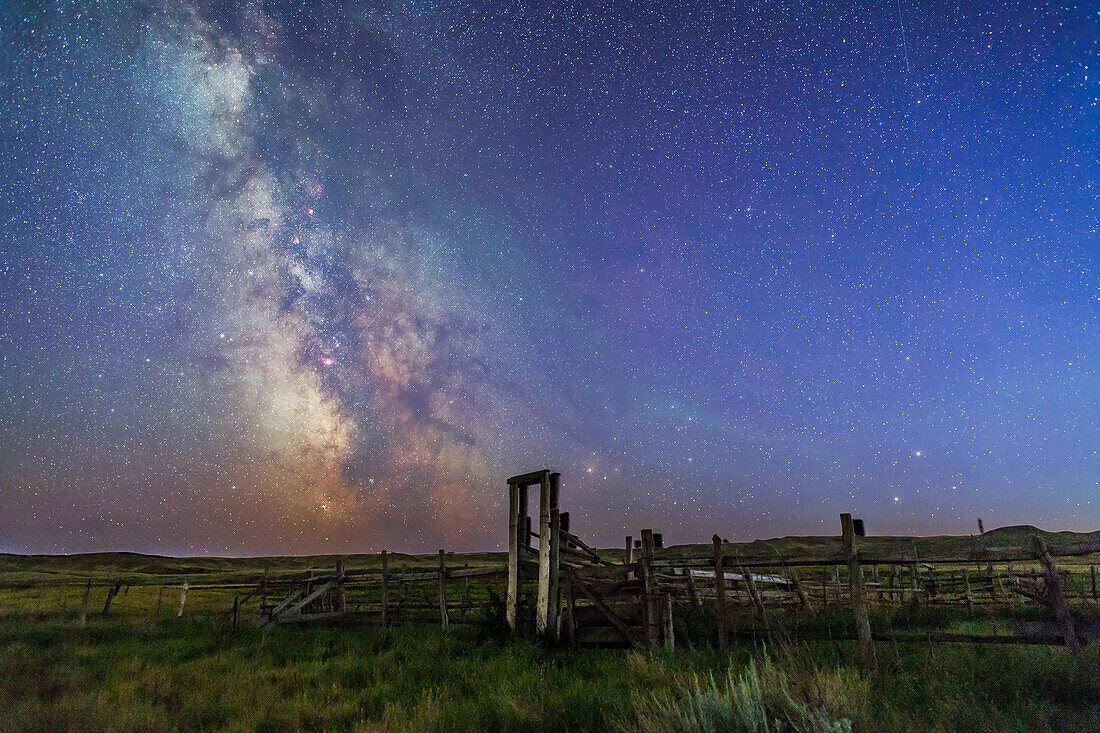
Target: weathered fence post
{"type": "Point", "coordinates": [1092, 568]}
{"type": "Point", "coordinates": [628, 557]}
{"type": "Point", "coordinates": [385, 586]}
{"type": "Point", "coordinates": [548, 484]}
{"type": "Point", "coordinates": [236, 612]}
{"type": "Point", "coordinates": [341, 591]}
{"type": "Point", "coordinates": [670, 634]}
{"type": "Point", "coordinates": [855, 584]}
{"type": "Point", "coordinates": [570, 620]}
{"type": "Point", "coordinates": [512, 592]}
{"type": "Point", "coordinates": [693, 592]}
{"type": "Point", "coordinates": [111, 593]}
{"type": "Point", "coordinates": [443, 590]}
{"type": "Point", "coordinates": [160, 599]}
{"type": "Point", "coordinates": [84, 605]}
{"type": "Point", "coordinates": [183, 599]}
{"type": "Point", "coordinates": [720, 594]}
{"type": "Point", "coordinates": [649, 590]}
{"type": "Point", "coordinates": [1056, 599]}
{"type": "Point", "coordinates": [553, 627]}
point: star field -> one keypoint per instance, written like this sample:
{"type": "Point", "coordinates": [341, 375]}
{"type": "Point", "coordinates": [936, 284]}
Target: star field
{"type": "Point", "coordinates": [317, 277]}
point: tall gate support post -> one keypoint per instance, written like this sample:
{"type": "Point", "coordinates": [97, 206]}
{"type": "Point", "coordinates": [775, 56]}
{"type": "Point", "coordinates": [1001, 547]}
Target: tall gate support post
{"type": "Point", "coordinates": [855, 584]}
{"type": "Point", "coordinates": [649, 588]}
{"type": "Point", "coordinates": [544, 621]}
{"type": "Point", "coordinates": [513, 553]}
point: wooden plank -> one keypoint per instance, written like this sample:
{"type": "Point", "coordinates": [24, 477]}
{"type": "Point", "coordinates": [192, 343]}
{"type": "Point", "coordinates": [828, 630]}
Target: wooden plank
{"type": "Point", "coordinates": [183, 599]}
{"type": "Point", "coordinates": [443, 590]}
{"type": "Point", "coordinates": [310, 597]}
{"type": "Point", "coordinates": [855, 585]}
{"type": "Point", "coordinates": [1056, 599]}
{"type": "Point", "coordinates": [720, 594]}
{"type": "Point", "coordinates": [604, 609]}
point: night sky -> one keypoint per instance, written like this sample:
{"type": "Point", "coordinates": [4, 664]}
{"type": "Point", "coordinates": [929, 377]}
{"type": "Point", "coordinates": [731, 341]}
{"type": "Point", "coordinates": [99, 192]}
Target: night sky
{"type": "Point", "coordinates": [288, 278]}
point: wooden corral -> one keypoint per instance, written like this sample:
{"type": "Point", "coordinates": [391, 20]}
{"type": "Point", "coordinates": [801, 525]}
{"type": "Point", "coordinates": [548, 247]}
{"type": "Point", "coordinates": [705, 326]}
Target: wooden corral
{"type": "Point", "coordinates": [554, 585]}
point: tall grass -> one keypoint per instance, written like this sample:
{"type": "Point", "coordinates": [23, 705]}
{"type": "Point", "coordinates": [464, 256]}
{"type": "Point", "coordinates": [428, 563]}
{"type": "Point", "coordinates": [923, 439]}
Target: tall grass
{"type": "Point", "coordinates": [762, 697]}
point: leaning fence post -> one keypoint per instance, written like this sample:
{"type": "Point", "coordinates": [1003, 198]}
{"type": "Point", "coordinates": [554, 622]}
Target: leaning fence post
{"type": "Point", "coordinates": [855, 584]}
{"type": "Point", "coordinates": [236, 612]}
{"type": "Point", "coordinates": [183, 599]}
{"type": "Point", "coordinates": [720, 594]}
{"type": "Point", "coordinates": [1056, 599]}
{"type": "Point", "coordinates": [443, 590]}
{"type": "Point", "coordinates": [111, 593]}
{"type": "Point", "coordinates": [754, 596]}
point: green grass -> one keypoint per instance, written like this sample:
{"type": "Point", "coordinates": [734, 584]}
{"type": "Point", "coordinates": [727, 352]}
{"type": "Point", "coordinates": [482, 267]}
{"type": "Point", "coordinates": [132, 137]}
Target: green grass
{"type": "Point", "coordinates": [138, 673]}
{"type": "Point", "coordinates": [143, 670]}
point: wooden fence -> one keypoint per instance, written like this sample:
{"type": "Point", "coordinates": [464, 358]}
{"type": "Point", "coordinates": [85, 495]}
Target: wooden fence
{"type": "Point", "coordinates": [645, 595]}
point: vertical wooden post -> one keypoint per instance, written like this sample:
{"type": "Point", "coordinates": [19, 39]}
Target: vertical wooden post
{"type": "Point", "coordinates": [824, 589]}
{"type": "Point", "coordinates": [1092, 568]}
{"type": "Point", "coordinates": [693, 592]}
{"type": "Point", "coordinates": [183, 599]}
{"type": "Point", "coordinates": [1056, 599]}
{"type": "Point", "coordinates": [263, 588]}
{"type": "Point", "coordinates": [628, 556]}
{"type": "Point", "coordinates": [553, 628]}
{"type": "Point", "coordinates": [236, 611]}
{"type": "Point", "coordinates": [341, 591]}
{"type": "Point", "coordinates": [385, 587]}
{"type": "Point", "coordinates": [513, 555]}
{"type": "Point", "coordinates": [720, 595]}
{"type": "Point", "coordinates": [914, 570]}
{"type": "Point", "coordinates": [649, 590]}
{"type": "Point", "coordinates": [855, 584]}
{"type": "Point", "coordinates": [666, 617]}
{"type": "Point", "coordinates": [570, 620]}
{"type": "Point", "coordinates": [443, 590]}
{"type": "Point", "coordinates": [543, 601]}
{"type": "Point", "coordinates": [84, 605]}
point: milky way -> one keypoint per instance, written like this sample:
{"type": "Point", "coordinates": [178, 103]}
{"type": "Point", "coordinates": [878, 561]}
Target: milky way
{"type": "Point", "coordinates": [281, 278]}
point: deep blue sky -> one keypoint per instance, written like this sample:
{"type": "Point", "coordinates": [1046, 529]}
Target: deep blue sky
{"type": "Point", "coordinates": [317, 278]}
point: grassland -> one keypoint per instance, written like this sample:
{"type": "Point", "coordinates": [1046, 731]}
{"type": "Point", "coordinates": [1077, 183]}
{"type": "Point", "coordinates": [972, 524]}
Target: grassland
{"type": "Point", "coordinates": [142, 669]}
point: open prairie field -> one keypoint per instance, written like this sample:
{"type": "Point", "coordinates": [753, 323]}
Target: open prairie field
{"type": "Point", "coordinates": [143, 667]}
